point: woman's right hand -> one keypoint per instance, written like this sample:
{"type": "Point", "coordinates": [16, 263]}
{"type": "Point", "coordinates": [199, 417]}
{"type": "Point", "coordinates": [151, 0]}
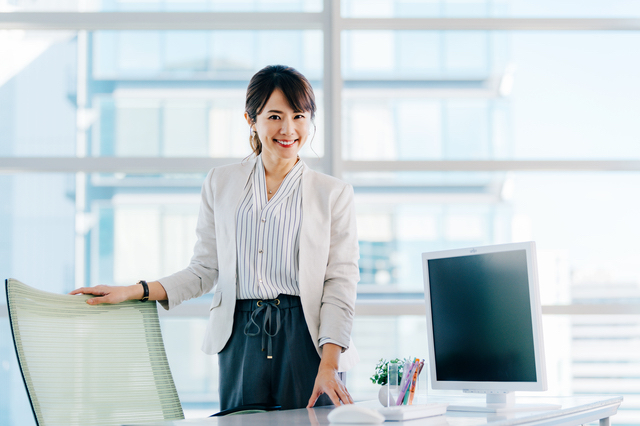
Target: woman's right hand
{"type": "Point", "coordinates": [110, 294]}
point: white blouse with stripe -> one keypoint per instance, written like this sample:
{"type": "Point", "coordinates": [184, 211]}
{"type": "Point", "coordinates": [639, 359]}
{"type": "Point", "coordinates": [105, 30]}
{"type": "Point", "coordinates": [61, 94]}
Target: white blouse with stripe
{"type": "Point", "coordinates": [268, 236]}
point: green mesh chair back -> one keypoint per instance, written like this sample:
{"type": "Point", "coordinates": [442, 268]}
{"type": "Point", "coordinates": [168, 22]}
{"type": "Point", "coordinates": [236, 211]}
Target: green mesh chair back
{"type": "Point", "coordinates": [90, 365]}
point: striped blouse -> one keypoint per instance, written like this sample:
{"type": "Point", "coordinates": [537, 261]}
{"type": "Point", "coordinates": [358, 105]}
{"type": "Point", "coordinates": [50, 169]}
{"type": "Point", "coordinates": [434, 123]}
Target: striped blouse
{"type": "Point", "coordinates": [268, 236]}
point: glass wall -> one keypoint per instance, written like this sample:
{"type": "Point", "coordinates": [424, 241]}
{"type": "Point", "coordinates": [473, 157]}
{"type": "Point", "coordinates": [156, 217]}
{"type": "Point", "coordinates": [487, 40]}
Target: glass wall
{"type": "Point", "coordinates": [435, 127]}
{"type": "Point", "coordinates": [38, 88]}
{"type": "Point", "coordinates": [37, 239]}
{"type": "Point", "coordinates": [471, 95]}
{"type": "Point", "coordinates": [162, 6]}
{"type": "Point", "coordinates": [181, 93]}
{"type": "Point", "coordinates": [488, 9]}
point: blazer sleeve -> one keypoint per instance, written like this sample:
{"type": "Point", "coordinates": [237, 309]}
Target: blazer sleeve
{"type": "Point", "coordinates": [342, 273]}
{"type": "Point", "coordinates": [202, 273]}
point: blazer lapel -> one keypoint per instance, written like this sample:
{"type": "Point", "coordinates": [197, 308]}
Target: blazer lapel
{"type": "Point", "coordinates": [311, 268]}
{"type": "Point", "coordinates": [231, 187]}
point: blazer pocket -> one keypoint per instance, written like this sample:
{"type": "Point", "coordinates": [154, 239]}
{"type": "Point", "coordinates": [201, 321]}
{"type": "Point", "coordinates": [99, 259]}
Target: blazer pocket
{"type": "Point", "coordinates": [217, 299]}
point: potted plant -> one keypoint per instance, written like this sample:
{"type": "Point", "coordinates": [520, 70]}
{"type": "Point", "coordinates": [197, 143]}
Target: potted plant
{"type": "Point", "coordinates": [381, 376]}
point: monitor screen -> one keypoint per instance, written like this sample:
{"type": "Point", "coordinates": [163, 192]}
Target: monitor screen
{"type": "Point", "coordinates": [481, 318]}
{"type": "Point", "coordinates": [484, 318]}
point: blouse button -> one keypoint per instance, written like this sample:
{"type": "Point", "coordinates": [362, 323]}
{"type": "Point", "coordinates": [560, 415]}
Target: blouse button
{"type": "Point", "coordinates": [259, 251]}
{"type": "Point", "coordinates": [263, 219]}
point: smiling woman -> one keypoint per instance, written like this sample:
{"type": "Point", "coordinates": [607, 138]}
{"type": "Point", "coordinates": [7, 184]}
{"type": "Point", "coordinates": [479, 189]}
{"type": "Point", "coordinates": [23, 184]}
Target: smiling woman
{"type": "Point", "coordinates": [278, 93]}
{"type": "Point", "coordinates": [284, 132]}
{"type": "Point", "coordinates": [286, 277]}
{"type": "Point", "coordinates": [279, 109]}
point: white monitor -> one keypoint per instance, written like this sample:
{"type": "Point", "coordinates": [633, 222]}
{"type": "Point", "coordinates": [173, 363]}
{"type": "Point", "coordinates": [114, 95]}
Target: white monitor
{"type": "Point", "coordinates": [484, 325]}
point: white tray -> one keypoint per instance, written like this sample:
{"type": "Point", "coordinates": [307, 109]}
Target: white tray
{"type": "Point", "coordinates": [410, 412]}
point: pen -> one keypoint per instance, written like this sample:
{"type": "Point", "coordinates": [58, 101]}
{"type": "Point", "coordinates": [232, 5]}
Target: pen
{"type": "Point", "coordinates": [405, 375]}
{"type": "Point", "coordinates": [408, 372]}
{"type": "Point", "coordinates": [405, 371]}
{"type": "Point", "coordinates": [409, 395]}
{"type": "Point", "coordinates": [415, 381]}
{"type": "Point", "coordinates": [412, 381]}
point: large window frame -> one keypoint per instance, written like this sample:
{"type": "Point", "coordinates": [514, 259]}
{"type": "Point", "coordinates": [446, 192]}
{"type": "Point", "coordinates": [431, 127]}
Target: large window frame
{"type": "Point", "coordinates": [332, 25]}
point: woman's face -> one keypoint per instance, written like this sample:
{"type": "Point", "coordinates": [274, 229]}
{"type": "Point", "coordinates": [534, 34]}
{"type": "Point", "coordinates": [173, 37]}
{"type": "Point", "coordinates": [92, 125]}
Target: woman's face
{"type": "Point", "coordinates": [281, 130]}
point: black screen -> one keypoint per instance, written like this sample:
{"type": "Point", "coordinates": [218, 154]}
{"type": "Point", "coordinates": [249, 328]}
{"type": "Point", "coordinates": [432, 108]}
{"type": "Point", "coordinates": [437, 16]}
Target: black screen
{"type": "Point", "coordinates": [482, 318]}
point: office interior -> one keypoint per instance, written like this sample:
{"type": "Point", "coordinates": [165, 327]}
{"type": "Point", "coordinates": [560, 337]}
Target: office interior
{"type": "Point", "coordinates": [459, 123]}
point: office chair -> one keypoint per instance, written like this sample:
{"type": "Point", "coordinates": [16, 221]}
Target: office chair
{"type": "Point", "coordinates": [90, 365]}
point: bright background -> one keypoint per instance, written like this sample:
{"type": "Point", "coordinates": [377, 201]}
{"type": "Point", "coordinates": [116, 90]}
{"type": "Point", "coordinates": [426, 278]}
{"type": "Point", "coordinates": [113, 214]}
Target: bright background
{"type": "Point", "coordinates": [415, 119]}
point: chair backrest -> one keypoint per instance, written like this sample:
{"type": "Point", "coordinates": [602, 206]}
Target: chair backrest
{"type": "Point", "coordinates": [90, 365]}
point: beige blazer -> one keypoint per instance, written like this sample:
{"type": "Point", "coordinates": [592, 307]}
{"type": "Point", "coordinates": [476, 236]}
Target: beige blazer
{"type": "Point", "coordinates": [328, 257]}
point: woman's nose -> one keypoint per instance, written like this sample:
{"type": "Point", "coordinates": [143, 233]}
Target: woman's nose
{"type": "Point", "coordinates": [286, 127]}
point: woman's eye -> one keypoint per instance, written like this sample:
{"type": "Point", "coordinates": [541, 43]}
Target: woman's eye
{"type": "Point", "coordinates": [274, 117]}
{"type": "Point", "coordinates": [299, 116]}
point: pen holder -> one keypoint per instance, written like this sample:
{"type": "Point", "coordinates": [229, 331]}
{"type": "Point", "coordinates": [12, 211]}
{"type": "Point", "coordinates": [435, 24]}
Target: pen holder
{"type": "Point", "coordinates": [413, 393]}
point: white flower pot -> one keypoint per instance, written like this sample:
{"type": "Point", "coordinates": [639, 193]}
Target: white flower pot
{"type": "Point", "coordinates": [382, 394]}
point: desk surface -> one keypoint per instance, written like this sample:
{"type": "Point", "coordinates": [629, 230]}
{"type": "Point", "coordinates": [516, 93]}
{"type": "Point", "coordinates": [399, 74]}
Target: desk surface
{"type": "Point", "coordinates": [574, 410]}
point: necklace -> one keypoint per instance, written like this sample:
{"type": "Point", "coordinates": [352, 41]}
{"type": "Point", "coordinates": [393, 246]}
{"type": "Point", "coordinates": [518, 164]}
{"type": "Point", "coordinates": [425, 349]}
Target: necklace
{"type": "Point", "coordinates": [279, 183]}
{"type": "Point", "coordinates": [274, 189]}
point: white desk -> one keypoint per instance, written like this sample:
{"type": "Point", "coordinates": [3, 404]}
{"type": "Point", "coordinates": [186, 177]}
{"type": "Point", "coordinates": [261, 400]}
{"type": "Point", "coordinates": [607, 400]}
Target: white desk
{"type": "Point", "coordinates": [575, 410]}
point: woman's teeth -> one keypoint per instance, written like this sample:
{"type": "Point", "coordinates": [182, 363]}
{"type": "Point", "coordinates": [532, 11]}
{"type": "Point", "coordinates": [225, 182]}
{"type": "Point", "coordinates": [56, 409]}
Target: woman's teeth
{"type": "Point", "coordinates": [286, 143]}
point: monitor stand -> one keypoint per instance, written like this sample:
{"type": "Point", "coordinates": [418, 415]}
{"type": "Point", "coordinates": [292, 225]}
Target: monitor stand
{"type": "Point", "coordinates": [498, 403]}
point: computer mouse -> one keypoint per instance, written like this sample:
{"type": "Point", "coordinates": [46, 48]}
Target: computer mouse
{"type": "Point", "coordinates": [351, 413]}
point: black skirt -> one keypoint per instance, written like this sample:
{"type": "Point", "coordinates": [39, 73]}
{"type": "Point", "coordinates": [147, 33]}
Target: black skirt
{"type": "Point", "coordinates": [270, 358]}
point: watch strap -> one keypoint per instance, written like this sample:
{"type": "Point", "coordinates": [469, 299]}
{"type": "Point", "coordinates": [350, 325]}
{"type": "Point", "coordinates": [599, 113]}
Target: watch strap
{"type": "Point", "coordinates": [145, 288]}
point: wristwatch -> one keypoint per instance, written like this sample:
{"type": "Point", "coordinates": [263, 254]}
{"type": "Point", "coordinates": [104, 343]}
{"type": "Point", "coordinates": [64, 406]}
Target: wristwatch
{"type": "Point", "coordinates": [145, 288]}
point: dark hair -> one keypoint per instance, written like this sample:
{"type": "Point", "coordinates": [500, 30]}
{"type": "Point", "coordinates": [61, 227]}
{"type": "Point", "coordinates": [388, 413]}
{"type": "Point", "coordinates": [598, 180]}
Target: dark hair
{"type": "Point", "coordinates": [295, 87]}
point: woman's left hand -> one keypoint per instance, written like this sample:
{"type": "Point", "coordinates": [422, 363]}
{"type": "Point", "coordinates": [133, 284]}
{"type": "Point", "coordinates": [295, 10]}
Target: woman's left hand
{"type": "Point", "coordinates": [327, 380]}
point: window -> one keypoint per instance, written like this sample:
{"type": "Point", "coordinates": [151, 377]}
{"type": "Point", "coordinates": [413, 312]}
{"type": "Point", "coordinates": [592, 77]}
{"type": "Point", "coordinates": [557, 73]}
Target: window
{"type": "Point", "coordinates": [453, 133]}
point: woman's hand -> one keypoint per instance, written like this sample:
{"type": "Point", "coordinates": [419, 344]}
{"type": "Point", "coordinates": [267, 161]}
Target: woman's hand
{"type": "Point", "coordinates": [117, 294]}
{"type": "Point", "coordinates": [110, 294]}
{"type": "Point", "coordinates": [327, 380]}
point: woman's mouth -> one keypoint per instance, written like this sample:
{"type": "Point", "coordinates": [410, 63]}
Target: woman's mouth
{"type": "Point", "coordinates": [285, 142]}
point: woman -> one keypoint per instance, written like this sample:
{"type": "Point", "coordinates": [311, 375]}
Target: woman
{"type": "Point", "coordinates": [277, 243]}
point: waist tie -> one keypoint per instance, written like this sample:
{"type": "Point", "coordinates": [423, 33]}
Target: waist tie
{"type": "Point", "coordinates": [266, 306]}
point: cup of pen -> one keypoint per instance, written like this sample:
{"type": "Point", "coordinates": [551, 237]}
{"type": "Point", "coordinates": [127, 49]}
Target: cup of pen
{"type": "Point", "coordinates": [409, 385]}
{"type": "Point", "coordinates": [402, 385]}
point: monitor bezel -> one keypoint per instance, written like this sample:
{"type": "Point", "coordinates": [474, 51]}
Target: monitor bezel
{"type": "Point", "coordinates": [536, 320]}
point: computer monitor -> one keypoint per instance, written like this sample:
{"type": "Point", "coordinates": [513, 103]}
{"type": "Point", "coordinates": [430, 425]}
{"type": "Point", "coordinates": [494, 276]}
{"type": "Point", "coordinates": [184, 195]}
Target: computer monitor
{"type": "Point", "coordinates": [484, 326]}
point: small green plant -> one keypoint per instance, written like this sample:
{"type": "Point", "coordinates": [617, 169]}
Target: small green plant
{"type": "Point", "coordinates": [380, 375]}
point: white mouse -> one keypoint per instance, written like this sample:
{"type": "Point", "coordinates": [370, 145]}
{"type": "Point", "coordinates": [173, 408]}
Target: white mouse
{"type": "Point", "coordinates": [351, 413]}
